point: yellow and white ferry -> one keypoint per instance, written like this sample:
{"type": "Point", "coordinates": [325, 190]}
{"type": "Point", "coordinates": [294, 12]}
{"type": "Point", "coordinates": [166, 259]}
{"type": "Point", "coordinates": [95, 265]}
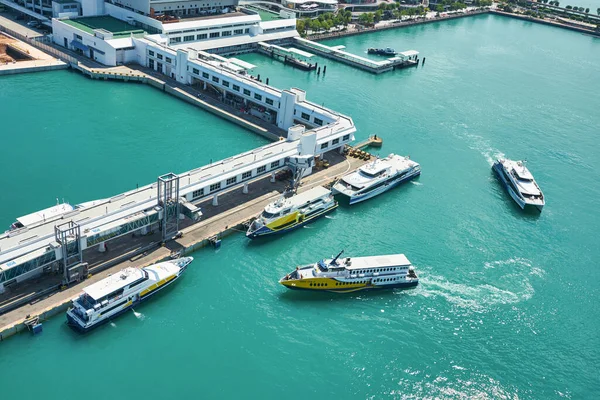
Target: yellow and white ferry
{"type": "Point", "coordinates": [290, 213]}
{"type": "Point", "coordinates": [353, 274]}
{"type": "Point", "coordinates": [119, 292]}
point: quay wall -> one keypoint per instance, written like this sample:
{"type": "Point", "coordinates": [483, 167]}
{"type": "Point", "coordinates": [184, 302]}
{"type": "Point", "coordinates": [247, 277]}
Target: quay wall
{"type": "Point", "coordinates": [23, 69]}
{"type": "Point", "coordinates": [547, 22]}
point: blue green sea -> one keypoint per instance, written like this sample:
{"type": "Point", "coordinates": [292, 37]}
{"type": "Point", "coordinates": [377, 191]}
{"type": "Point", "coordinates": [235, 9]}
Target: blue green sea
{"type": "Point", "coordinates": [507, 306]}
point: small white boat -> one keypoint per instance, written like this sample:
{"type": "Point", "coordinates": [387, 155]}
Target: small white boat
{"type": "Point", "coordinates": [519, 183]}
{"type": "Point", "coordinates": [377, 177]}
{"type": "Point", "coordinates": [122, 291]}
{"type": "Point", "coordinates": [290, 213]}
{"type": "Point", "coordinates": [392, 271]}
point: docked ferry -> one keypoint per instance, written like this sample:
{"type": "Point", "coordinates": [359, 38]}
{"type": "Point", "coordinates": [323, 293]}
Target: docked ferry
{"type": "Point", "coordinates": [377, 177]}
{"type": "Point", "coordinates": [353, 274]}
{"type": "Point", "coordinates": [388, 51]}
{"type": "Point", "coordinates": [119, 292]}
{"type": "Point", "coordinates": [519, 183]}
{"type": "Point", "coordinates": [290, 213]}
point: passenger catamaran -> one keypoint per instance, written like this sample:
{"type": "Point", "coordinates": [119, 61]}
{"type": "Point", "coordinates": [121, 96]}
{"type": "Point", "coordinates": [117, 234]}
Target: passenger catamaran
{"type": "Point", "coordinates": [519, 183]}
{"type": "Point", "coordinates": [377, 177]}
{"type": "Point", "coordinates": [287, 214]}
{"type": "Point", "coordinates": [119, 292]}
{"type": "Point", "coordinates": [353, 274]}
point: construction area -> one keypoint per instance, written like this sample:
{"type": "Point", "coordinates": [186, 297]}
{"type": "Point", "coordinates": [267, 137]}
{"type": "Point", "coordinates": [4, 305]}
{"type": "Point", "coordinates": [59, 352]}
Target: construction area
{"type": "Point", "coordinates": [18, 57]}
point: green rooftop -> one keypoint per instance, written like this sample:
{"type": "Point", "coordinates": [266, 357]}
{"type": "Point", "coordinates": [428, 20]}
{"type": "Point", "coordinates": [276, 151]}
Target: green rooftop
{"type": "Point", "coordinates": [265, 15]}
{"type": "Point", "coordinates": [117, 27]}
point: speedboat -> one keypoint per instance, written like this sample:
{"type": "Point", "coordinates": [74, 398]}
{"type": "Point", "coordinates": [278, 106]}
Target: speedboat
{"type": "Point", "coordinates": [122, 291]}
{"type": "Point", "coordinates": [290, 213]}
{"type": "Point", "coordinates": [345, 275]}
{"type": "Point", "coordinates": [376, 177]}
{"type": "Point", "coordinates": [519, 183]}
{"type": "Point", "coordinates": [388, 51]}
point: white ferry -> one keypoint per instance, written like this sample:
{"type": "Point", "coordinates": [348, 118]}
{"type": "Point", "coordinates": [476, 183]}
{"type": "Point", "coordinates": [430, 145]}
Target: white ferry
{"type": "Point", "coordinates": [354, 274]}
{"type": "Point", "coordinates": [287, 214]}
{"type": "Point", "coordinates": [519, 183]}
{"type": "Point", "coordinates": [377, 177]}
{"type": "Point", "coordinates": [119, 292]}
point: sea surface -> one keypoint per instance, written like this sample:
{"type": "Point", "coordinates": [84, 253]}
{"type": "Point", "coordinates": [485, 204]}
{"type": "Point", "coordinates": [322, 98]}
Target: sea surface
{"type": "Point", "coordinates": [507, 306]}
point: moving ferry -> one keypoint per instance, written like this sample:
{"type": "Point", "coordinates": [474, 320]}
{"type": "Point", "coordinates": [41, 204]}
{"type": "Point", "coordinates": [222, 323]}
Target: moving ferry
{"type": "Point", "coordinates": [377, 177]}
{"type": "Point", "coordinates": [519, 183]}
{"type": "Point", "coordinates": [290, 213]}
{"type": "Point", "coordinates": [119, 292]}
{"type": "Point", "coordinates": [353, 274]}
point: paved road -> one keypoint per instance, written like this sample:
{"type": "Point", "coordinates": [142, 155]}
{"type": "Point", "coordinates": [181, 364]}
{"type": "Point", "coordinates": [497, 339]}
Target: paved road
{"type": "Point", "coordinates": [18, 26]}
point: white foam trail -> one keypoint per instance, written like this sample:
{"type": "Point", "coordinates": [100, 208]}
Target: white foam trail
{"type": "Point", "coordinates": [113, 324]}
{"type": "Point", "coordinates": [138, 315]}
{"type": "Point", "coordinates": [416, 183]}
{"type": "Point", "coordinates": [329, 217]}
{"type": "Point", "coordinates": [307, 227]}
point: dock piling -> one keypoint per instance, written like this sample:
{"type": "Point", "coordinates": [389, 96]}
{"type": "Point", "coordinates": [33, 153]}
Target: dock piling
{"type": "Point", "coordinates": [215, 201]}
{"type": "Point", "coordinates": [423, 62]}
{"type": "Point", "coordinates": [324, 69]}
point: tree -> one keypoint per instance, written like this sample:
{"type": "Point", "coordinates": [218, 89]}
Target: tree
{"type": "Point", "coordinates": [300, 26]}
{"type": "Point", "coordinates": [568, 7]}
{"type": "Point", "coordinates": [378, 15]}
{"type": "Point", "coordinates": [439, 8]}
{"type": "Point", "coordinates": [587, 10]}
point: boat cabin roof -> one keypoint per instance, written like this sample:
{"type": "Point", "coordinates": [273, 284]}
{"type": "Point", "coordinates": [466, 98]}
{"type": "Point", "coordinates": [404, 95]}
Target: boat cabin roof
{"type": "Point", "coordinates": [114, 282]}
{"type": "Point", "coordinates": [298, 199]}
{"type": "Point", "coordinates": [42, 215]}
{"type": "Point", "coordinates": [522, 172]}
{"type": "Point", "coordinates": [391, 260]}
{"type": "Point", "coordinates": [375, 167]}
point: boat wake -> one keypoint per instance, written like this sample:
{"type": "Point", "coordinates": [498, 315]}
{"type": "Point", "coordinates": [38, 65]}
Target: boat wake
{"type": "Point", "coordinates": [416, 183]}
{"type": "Point", "coordinates": [139, 315]}
{"type": "Point", "coordinates": [509, 284]}
{"type": "Point", "coordinates": [478, 143]}
{"type": "Point", "coordinates": [307, 227]}
{"type": "Point", "coordinates": [329, 217]}
{"type": "Point", "coordinates": [113, 324]}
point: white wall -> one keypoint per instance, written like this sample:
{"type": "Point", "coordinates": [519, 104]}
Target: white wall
{"type": "Point", "coordinates": [122, 14]}
{"type": "Point", "coordinates": [91, 8]}
{"type": "Point", "coordinates": [61, 31]}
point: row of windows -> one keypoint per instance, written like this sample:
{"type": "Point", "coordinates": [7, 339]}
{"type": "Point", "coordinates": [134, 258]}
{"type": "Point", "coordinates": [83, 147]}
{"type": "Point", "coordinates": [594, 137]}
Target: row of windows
{"type": "Point", "coordinates": [306, 117]}
{"type": "Point", "coordinates": [169, 60]}
{"type": "Point", "coordinates": [212, 35]}
{"type": "Point", "coordinates": [196, 194]}
{"type": "Point", "coordinates": [334, 142]}
{"type": "Point", "coordinates": [237, 88]}
{"type": "Point", "coordinates": [386, 279]}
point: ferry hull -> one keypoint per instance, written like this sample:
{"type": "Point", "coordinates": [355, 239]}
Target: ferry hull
{"type": "Point", "coordinates": [403, 285]}
{"type": "Point", "coordinates": [497, 168]}
{"type": "Point", "coordinates": [265, 231]}
{"type": "Point", "coordinates": [358, 198]}
{"type": "Point", "coordinates": [76, 325]}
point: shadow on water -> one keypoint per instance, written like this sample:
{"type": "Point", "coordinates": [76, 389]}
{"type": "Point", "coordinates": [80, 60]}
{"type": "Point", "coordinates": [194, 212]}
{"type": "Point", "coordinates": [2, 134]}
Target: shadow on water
{"type": "Point", "coordinates": [308, 296]}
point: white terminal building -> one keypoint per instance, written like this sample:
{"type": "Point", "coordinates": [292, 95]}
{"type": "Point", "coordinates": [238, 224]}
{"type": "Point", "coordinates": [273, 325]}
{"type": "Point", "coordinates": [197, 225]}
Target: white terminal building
{"type": "Point", "coordinates": [186, 41]}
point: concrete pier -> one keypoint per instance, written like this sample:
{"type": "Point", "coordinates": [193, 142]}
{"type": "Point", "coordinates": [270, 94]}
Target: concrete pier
{"type": "Point", "coordinates": [45, 300]}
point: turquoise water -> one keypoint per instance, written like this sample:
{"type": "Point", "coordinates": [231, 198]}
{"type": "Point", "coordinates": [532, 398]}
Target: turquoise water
{"type": "Point", "coordinates": [507, 306]}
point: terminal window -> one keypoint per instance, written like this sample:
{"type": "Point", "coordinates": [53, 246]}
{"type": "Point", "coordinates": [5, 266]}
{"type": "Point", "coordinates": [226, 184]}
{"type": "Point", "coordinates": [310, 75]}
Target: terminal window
{"type": "Point", "coordinates": [215, 186]}
{"type": "Point", "coordinates": [257, 96]}
{"type": "Point", "coordinates": [226, 33]}
{"type": "Point", "coordinates": [238, 31]}
{"type": "Point", "coordinates": [318, 121]}
{"type": "Point", "coordinates": [261, 169]}
{"type": "Point", "coordinates": [168, 60]}
{"type": "Point", "coordinates": [305, 116]}
{"type": "Point", "coordinates": [215, 34]}
{"type": "Point", "coordinates": [324, 145]}
{"type": "Point", "coordinates": [215, 79]}
{"type": "Point", "coordinates": [159, 56]}
{"type": "Point", "coordinates": [197, 193]}
{"type": "Point", "coordinates": [188, 38]}
{"type": "Point", "coordinates": [205, 75]}
{"type": "Point", "coordinates": [246, 92]}
{"type": "Point", "coordinates": [236, 88]}
{"type": "Point", "coordinates": [201, 36]}
{"type": "Point", "coordinates": [232, 180]}
{"type": "Point", "coordinates": [195, 71]}
{"type": "Point", "coordinates": [275, 164]}
{"type": "Point", "coordinates": [335, 141]}
{"type": "Point", "coordinates": [269, 102]}
{"type": "Point", "coordinates": [151, 53]}
{"type": "Point", "coordinates": [246, 175]}
{"type": "Point", "coordinates": [346, 137]}
{"type": "Point", "coordinates": [225, 83]}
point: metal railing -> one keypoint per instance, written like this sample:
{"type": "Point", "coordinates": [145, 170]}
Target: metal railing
{"type": "Point", "coordinates": [41, 43]}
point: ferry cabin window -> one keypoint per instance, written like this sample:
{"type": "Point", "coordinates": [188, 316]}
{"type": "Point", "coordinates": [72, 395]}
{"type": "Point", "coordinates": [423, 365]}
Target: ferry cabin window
{"type": "Point", "coordinates": [226, 33]}
{"type": "Point", "coordinates": [197, 193]}
{"type": "Point", "coordinates": [346, 137]}
{"type": "Point", "coordinates": [324, 145]}
{"type": "Point", "coordinates": [225, 83]}
{"type": "Point", "coordinates": [236, 88]}
{"type": "Point", "coordinates": [257, 96]}
{"type": "Point", "coordinates": [305, 116]}
{"type": "Point", "coordinates": [205, 75]}
{"type": "Point", "coordinates": [150, 52]}
{"type": "Point", "coordinates": [268, 215]}
{"type": "Point", "coordinates": [261, 169]}
{"type": "Point", "coordinates": [232, 180]}
{"type": "Point", "coordinates": [201, 36]}
{"type": "Point", "coordinates": [247, 30]}
{"type": "Point", "coordinates": [215, 79]}
{"type": "Point", "coordinates": [215, 34]}
{"type": "Point", "coordinates": [215, 186]}
{"type": "Point", "coordinates": [196, 71]}
{"type": "Point", "coordinates": [335, 141]}
{"type": "Point", "coordinates": [246, 92]}
{"type": "Point", "coordinates": [318, 121]}
{"type": "Point", "coordinates": [269, 102]}
{"type": "Point", "coordinates": [175, 40]}
{"type": "Point", "coordinates": [246, 175]}
{"type": "Point", "coordinates": [275, 164]}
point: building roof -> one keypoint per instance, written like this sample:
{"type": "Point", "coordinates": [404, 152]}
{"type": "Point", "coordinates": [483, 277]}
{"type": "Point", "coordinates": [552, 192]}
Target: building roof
{"type": "Point", "coordinates": [110, 24]}
{"type": "Point", "coordinates": [235, 40]}
{"type": "Point", "coordinates": [209, 22]}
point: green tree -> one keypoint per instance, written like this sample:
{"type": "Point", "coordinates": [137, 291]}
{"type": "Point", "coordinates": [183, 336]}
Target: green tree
{"type": "Point", "coordinates": [378, 15]}
{"type": "Point", "coordinates": [587, 10]}
{"type": "Point", "coordinates": [300, 26]}
{"type": "Point", "coordinates": [439, 8]}
{"type": "Point", "coordinates": [568, 7]}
